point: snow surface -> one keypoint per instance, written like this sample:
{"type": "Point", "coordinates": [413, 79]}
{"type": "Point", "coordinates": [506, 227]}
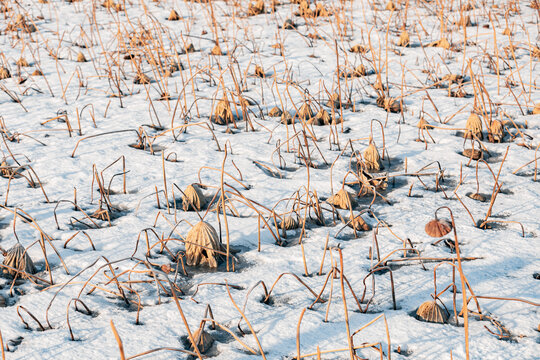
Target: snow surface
{"type": "Point", "coordinates": [506, 260]}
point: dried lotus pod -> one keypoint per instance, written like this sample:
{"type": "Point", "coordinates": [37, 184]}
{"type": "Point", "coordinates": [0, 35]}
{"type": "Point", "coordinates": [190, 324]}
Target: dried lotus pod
{"type": "Point", "coordinates": [17, 258]}
{"type": "Point", "coordinates": [37, 73]}
{"type": "Point", "coordinates": [442, 43]}
{"type": "Point", "coordinates": [286, 118]}
{"type": "Point", "coordinates": [173, 16]}
{"type": "Point", "coordinates": [474, 154]}
{"type": "Point", "coordinates": [216, 50]}
{"type": "Point", "coordinates": [189, 48]}
{"type": "Point", "coordinates": [275, 112]}
{"type": "Point", "coordinates": [110, 4]}
{"type": "Point", "coordinates": [342, 199]}
{"type": "Point", "coordinates": [4, 73]}
{"type": "Point", "coordinates": [536, 110]}
{"type": "Point", "coordinates": [256, 8]}
{"type": "Point", "coordinates": [333, 101]}
{"type": "Point", "coordinates": [289, 223]}
{"type": "Point", "coordinates": [430, 311]}
{"type": "Point", "coordinates": [359, 49]}
{"type": "Point", "coordinates": [404, 39]}
{"type": "Point", "coordinates": [507, 32]}
{"type": "Point", "coordinates": [496, 132]}
{"type": "Point", "coordinates": [202, 241]}
{"type": "Point", "coordinates": [259, 72]}
{"type": "Point", "coordinates": [80, 57]}
{"type": "Point", "coordinates": [141, 79]}
{"type": "Point", "coordinates": [223, 113]}
{"type": "Point", "coordinates": [372, 159]}
{"type": "Point", "coordinates": [305, 112]}
{"type": "Point", "coordinates": [358, 224]}
{"type": "Point", "coordinates": [474, 127]}
{"type": "Point", "coordinates": [193, 198]}
{"type": "Point", "coordinates": [22, 62]}
{"type": "Point", "coordinates": [205, 341]}
{"type": "Point", "coordinates": [438, 228]}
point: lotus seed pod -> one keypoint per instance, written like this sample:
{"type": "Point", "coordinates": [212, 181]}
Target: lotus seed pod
{"type": "Point", "coordinates": [359, 49]}
{"type": "Point", "coordinates": [496, 131]}
{"type": "Point", "coordinates": [189, 48]}
{"type": "Point", "coordinates": [438, 228]}
{"type": "Point", "coordinates": [372, 160]}
{"type": "Point", "coordinates": [202, 241]}
{"type": "Point", "coordinates": [256, 8]}
{"type": "Point", "coordinates": [17, 258]}
{"type": "Point", "coordinates": [430, 311]}
{"type": "Point", "coordinates": [474, 127]}
{"type": "Point", "coordinates": [322, 118]}
{"type": "Point", "coordinates": [342, 199]}
{"type": "Point", "coordinates": [193, 198]}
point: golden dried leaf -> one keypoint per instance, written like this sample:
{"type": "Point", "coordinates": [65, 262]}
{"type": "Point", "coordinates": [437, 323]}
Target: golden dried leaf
{"type": "Point", "coordinates": [430, 311]}
{"type": "Point", "coordinates": [201, 242]}
{"type": "Point", "coordinates": [342, 199]}
{"type": "Point", "coordinates": [372, 159]}
{"type": "Point", "coordinates": [17, 258]}
{"type": "Point", "coordinates": [193, 198]}
{"type": "Point", "coordinates": [438, 228]}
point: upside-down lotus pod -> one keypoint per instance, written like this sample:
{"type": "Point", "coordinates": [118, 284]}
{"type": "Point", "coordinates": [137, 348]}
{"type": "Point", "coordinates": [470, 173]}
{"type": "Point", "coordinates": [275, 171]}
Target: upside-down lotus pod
{"type": "Point", "coordinates": [189, 48]}
{"type": "Point", "coordinates": [201, 242]}
{"type": "Point", "coordinates": [193, 198]}
{"type": "Point", "coordinates": [474, 126]}
{"type": "Point", "coordinates": [438, 228]}
{"type": "Point", "coordinates": [536, 110]}
{"type": "Point", "coordinates": [205, 341]}
{"type": "Point", "coordinates": [173, 16]}
{"type": "Point", "coordinates": [390, 6]}
{"type": "Point", "coordinates": [372, 159]}
{"type": "Point", "coordinates": [216, 50]}
{"type": "Point", "coordinates": [342, 199]}
{"type": "Point", "coordinates": [256, 8]}
{"type": "Point", "coordinates": [17, 258]}
{"type": "Point", "coordinates": [275, 112]}
{"type": "Point", "coordinates": [305, 112]}
{"type": "Point", "coordinates": [430, 311]}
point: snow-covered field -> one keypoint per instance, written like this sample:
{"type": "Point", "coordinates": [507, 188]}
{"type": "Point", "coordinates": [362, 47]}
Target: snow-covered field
{"type": "Point", "coordinates": [98, 151]}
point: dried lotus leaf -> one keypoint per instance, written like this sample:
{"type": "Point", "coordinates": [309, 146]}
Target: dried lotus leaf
{"type": "Point", "coordinates": [430, 311]}
{"type": "Point", "coordinates": [202, 241]}
{"type": "Point", "coordinates": [193, 198]}
{"type": "Point", "coordinates": [19, 259]}
{"type": "Point", "coordinates": [342, 199]}
{"type": "Point", "coordinates": [438, 228]}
